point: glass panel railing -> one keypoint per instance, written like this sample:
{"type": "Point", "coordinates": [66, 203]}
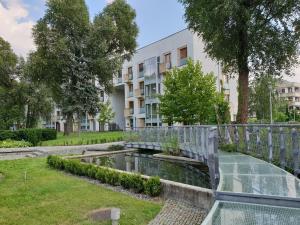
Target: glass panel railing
{"type": "Point", "coordinates": [183, 62]}
{"type": "Point", "coordinates": [142, 110]}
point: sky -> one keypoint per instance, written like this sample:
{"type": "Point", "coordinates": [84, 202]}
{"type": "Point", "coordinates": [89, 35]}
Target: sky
{"type": "Point", "coordinates": [156, 19]}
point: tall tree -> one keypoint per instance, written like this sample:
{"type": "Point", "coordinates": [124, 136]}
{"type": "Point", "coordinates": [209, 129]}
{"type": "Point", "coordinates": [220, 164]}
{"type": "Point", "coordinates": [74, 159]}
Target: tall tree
{"type": "Point", "coordinates": [190, 95]}
{"type": "Point", "coordinates": [256, 37]}
{"type": "Point", "coordinates": [8, 62]}
{"type": "Point", "coordinates": [73, 53]}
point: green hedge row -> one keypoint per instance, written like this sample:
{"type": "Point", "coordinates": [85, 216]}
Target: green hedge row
{"type": "Point", "coordinates": [34, 136]}
{"type": "Point", "coordinates": [151, 187]}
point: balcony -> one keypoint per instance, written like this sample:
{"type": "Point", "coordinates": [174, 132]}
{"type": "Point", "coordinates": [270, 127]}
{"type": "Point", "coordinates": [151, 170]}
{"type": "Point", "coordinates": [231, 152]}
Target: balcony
{"type": "Point", "coordinates": [130, 94]}
{"type": "Point", "coordinates": [139, 93]}
{"type": "Point", "coordinates": [183, 62]}
{"type": "Point", "coordinates": [142, 110]}
{"type": "Point", "coordinates": [141, 74]}
{"type": "Point", "coordinates": [164, 67]}
{"type": "Point", "coordinates": [128, 112]}
{"type": "Point", "coordinates": [128, 78]}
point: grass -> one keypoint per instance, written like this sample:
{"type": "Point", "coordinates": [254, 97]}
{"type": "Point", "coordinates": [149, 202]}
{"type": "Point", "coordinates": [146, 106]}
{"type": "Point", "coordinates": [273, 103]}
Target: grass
{"type": "Point", "coordinates": [50, 197]}
{"type": "Point", "coordinates": [85, 138]}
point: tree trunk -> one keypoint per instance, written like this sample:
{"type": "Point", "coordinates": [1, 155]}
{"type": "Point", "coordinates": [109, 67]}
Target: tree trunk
{"type": "Point", "coordinates": [243, 82]}
{"type": "Point", "coordinates": [68, 129]}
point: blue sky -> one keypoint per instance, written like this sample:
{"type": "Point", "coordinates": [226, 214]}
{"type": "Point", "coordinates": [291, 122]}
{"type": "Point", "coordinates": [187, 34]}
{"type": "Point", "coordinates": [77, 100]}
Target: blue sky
{"type": "Point", "coordinates": [155, 18]}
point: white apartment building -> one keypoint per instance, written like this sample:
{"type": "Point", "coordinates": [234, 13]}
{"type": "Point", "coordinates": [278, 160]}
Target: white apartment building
{"type": "Point", "coordinates": [134, 99]}
{"type": "Point", "coordinates": [141, 78]}
{"type": "Point", "coordinates": [290, 91]}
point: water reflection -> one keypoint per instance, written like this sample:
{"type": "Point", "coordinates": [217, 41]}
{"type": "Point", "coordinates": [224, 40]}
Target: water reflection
{"type": "Point", "coordinates": [148, 165]}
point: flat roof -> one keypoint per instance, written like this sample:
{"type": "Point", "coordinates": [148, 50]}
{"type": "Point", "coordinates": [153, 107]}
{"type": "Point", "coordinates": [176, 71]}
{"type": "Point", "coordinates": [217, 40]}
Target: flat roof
{"type": "Point", "coordinates": [161, 39]}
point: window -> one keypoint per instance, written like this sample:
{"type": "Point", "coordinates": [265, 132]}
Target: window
{"type": "Point", "coordinates": [130, 73]}
{"type": "Point", "coordinates": [283, 90]}
{"type": "Point", "coordinates": [102, 96]}
{"type": "Point", "coordinates": [141, 67]}
{"type": "Point", "coordinates": [290, 90]}
{"type": "Point", "coordinates": [168, 61]}
{"type": "Point", "coordinates": [131, 87]}
{"type": "Point", "coordinates": [182, 56]}
{"type": "Point", "coordinates": [183, 53]}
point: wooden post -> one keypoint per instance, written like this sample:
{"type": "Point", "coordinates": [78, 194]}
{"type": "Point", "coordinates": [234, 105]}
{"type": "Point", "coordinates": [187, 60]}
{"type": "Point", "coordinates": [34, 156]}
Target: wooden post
{"type": "Point", "coordinates": [282, 148]}
{"type": "Point", "coordinates": [270, 144]}
{"type": "Point", "coordinates": [295, 145]}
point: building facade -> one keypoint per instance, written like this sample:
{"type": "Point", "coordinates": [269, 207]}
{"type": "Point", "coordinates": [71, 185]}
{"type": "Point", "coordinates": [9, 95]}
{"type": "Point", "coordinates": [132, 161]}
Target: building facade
{"type": "Point", "coordinates": [290, 91]}
{"type": "Point", "coordinates": [142, 77]}
{"type": "Point", "coordinates": [137, 86]}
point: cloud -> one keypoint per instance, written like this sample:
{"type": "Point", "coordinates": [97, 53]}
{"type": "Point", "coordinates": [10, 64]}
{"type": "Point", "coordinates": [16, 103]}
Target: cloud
{"type": "Point", "coordinates": [16, 26]}
{"type": "Point", "coordinates": [109, 1]}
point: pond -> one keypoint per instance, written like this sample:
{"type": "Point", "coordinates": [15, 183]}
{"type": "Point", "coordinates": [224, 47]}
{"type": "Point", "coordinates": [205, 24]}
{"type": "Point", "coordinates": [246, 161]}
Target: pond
{"type": "Point", "coordinates": [144, 163]}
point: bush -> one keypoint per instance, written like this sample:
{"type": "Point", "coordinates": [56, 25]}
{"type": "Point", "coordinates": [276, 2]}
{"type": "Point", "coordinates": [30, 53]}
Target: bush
{"type": "Point", "coordinates": [135, 182]}
{"type": "Point", "coordinates": [14, 144]}
{"type": "Point", "coordinates": [115, 147]}
{"type": "Point", "coordinates": [228, 147]}
{"type": "Point", "coordinates": [34, 136]}
{"type": "Point", "coordinates": [153, 186]}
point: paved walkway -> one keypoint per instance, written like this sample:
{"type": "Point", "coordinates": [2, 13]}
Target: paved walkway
{"type": "Point", "coordinates": [179, 213]}
{"type": "Point", "coordinates": [42, 151]}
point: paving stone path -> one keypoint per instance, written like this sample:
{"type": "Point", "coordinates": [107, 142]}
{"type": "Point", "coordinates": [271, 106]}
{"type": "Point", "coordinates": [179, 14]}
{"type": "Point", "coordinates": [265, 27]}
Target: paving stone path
{"type": "Point", "coordinates": [41, 151]}
{"type": "Point", "coordinates": [179, 213]}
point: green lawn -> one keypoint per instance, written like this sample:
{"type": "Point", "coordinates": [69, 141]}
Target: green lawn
{"type": "Point", "coordinates": [51, 197]}
{"type": "Point", "coordinates": [85, 138]}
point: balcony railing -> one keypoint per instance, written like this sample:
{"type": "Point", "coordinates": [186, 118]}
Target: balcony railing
{"type": "Point", "coordinates": [128, 112]}
{"type": "Point", "coordinates": [128, 78]}
{"type": "Point", "coordinates": [164, 67]}
{"type": "Point", "coordinates": [139, 93]}
{"type": "Point", "coordinates": [183, 62]}
{"type": "Point", "coordinates": [141, 74]}
{"type": "Point", "coordinates": [130, 94]}
{"type": "Point", "coordinates": [142, 110]}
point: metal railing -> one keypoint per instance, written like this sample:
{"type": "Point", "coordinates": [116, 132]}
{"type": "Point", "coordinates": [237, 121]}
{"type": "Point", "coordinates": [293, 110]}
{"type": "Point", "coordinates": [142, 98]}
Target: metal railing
{"type": "Point", "coordinates": [276, 143]}
{"type": "Point", "coordinates": [197, 142]}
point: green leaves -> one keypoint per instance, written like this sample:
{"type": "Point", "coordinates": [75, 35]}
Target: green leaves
{"type": "Point", "coordinates": [8, 61]}
{"type": "Point", "coordinates": [190, 95]}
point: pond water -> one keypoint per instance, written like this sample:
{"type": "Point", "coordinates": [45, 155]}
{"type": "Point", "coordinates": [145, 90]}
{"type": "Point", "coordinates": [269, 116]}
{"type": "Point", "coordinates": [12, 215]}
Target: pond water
{"type": "Point", "coordinates": [145, 163]}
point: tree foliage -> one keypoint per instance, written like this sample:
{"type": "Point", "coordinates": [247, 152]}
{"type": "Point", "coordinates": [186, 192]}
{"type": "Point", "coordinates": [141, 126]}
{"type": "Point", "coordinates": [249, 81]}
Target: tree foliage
{"type": "Point", "coordinates": [8, 61]}
{"type": "Point", "coordinates": [106, 113]}
{"type": "Point", "coordinates": [190, 96]}
{"type": "Point", "coordinates": [73, 53]}
{"type": "Point", "coordinates": [257, 37]}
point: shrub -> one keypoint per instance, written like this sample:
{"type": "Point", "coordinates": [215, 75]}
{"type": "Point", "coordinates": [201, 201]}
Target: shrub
{"type": "Point", "coordinates": [115, 147]}
{"type": "Point", "coordinates": [171, 146]}
{"type": "Point", "coordinates": [14, 144]}
{"type": "Point", "coordinates": [34, 136]}
{"type": "Point", "coordinates": [125, 180]}
{"type": "Point", "coordinates": [228, 147]}
{"type": "Point", "coordinates": [129, 181]}
{"type": "Point", "coordinates": [153, 186]}
{"type": "Point", "coordinates": [137, 183]}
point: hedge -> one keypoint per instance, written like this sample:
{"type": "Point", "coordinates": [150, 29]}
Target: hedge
{"type": "Point", "coordinates": [151, 187]}
{"type": "Point", "coordinates": [34, 136]}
